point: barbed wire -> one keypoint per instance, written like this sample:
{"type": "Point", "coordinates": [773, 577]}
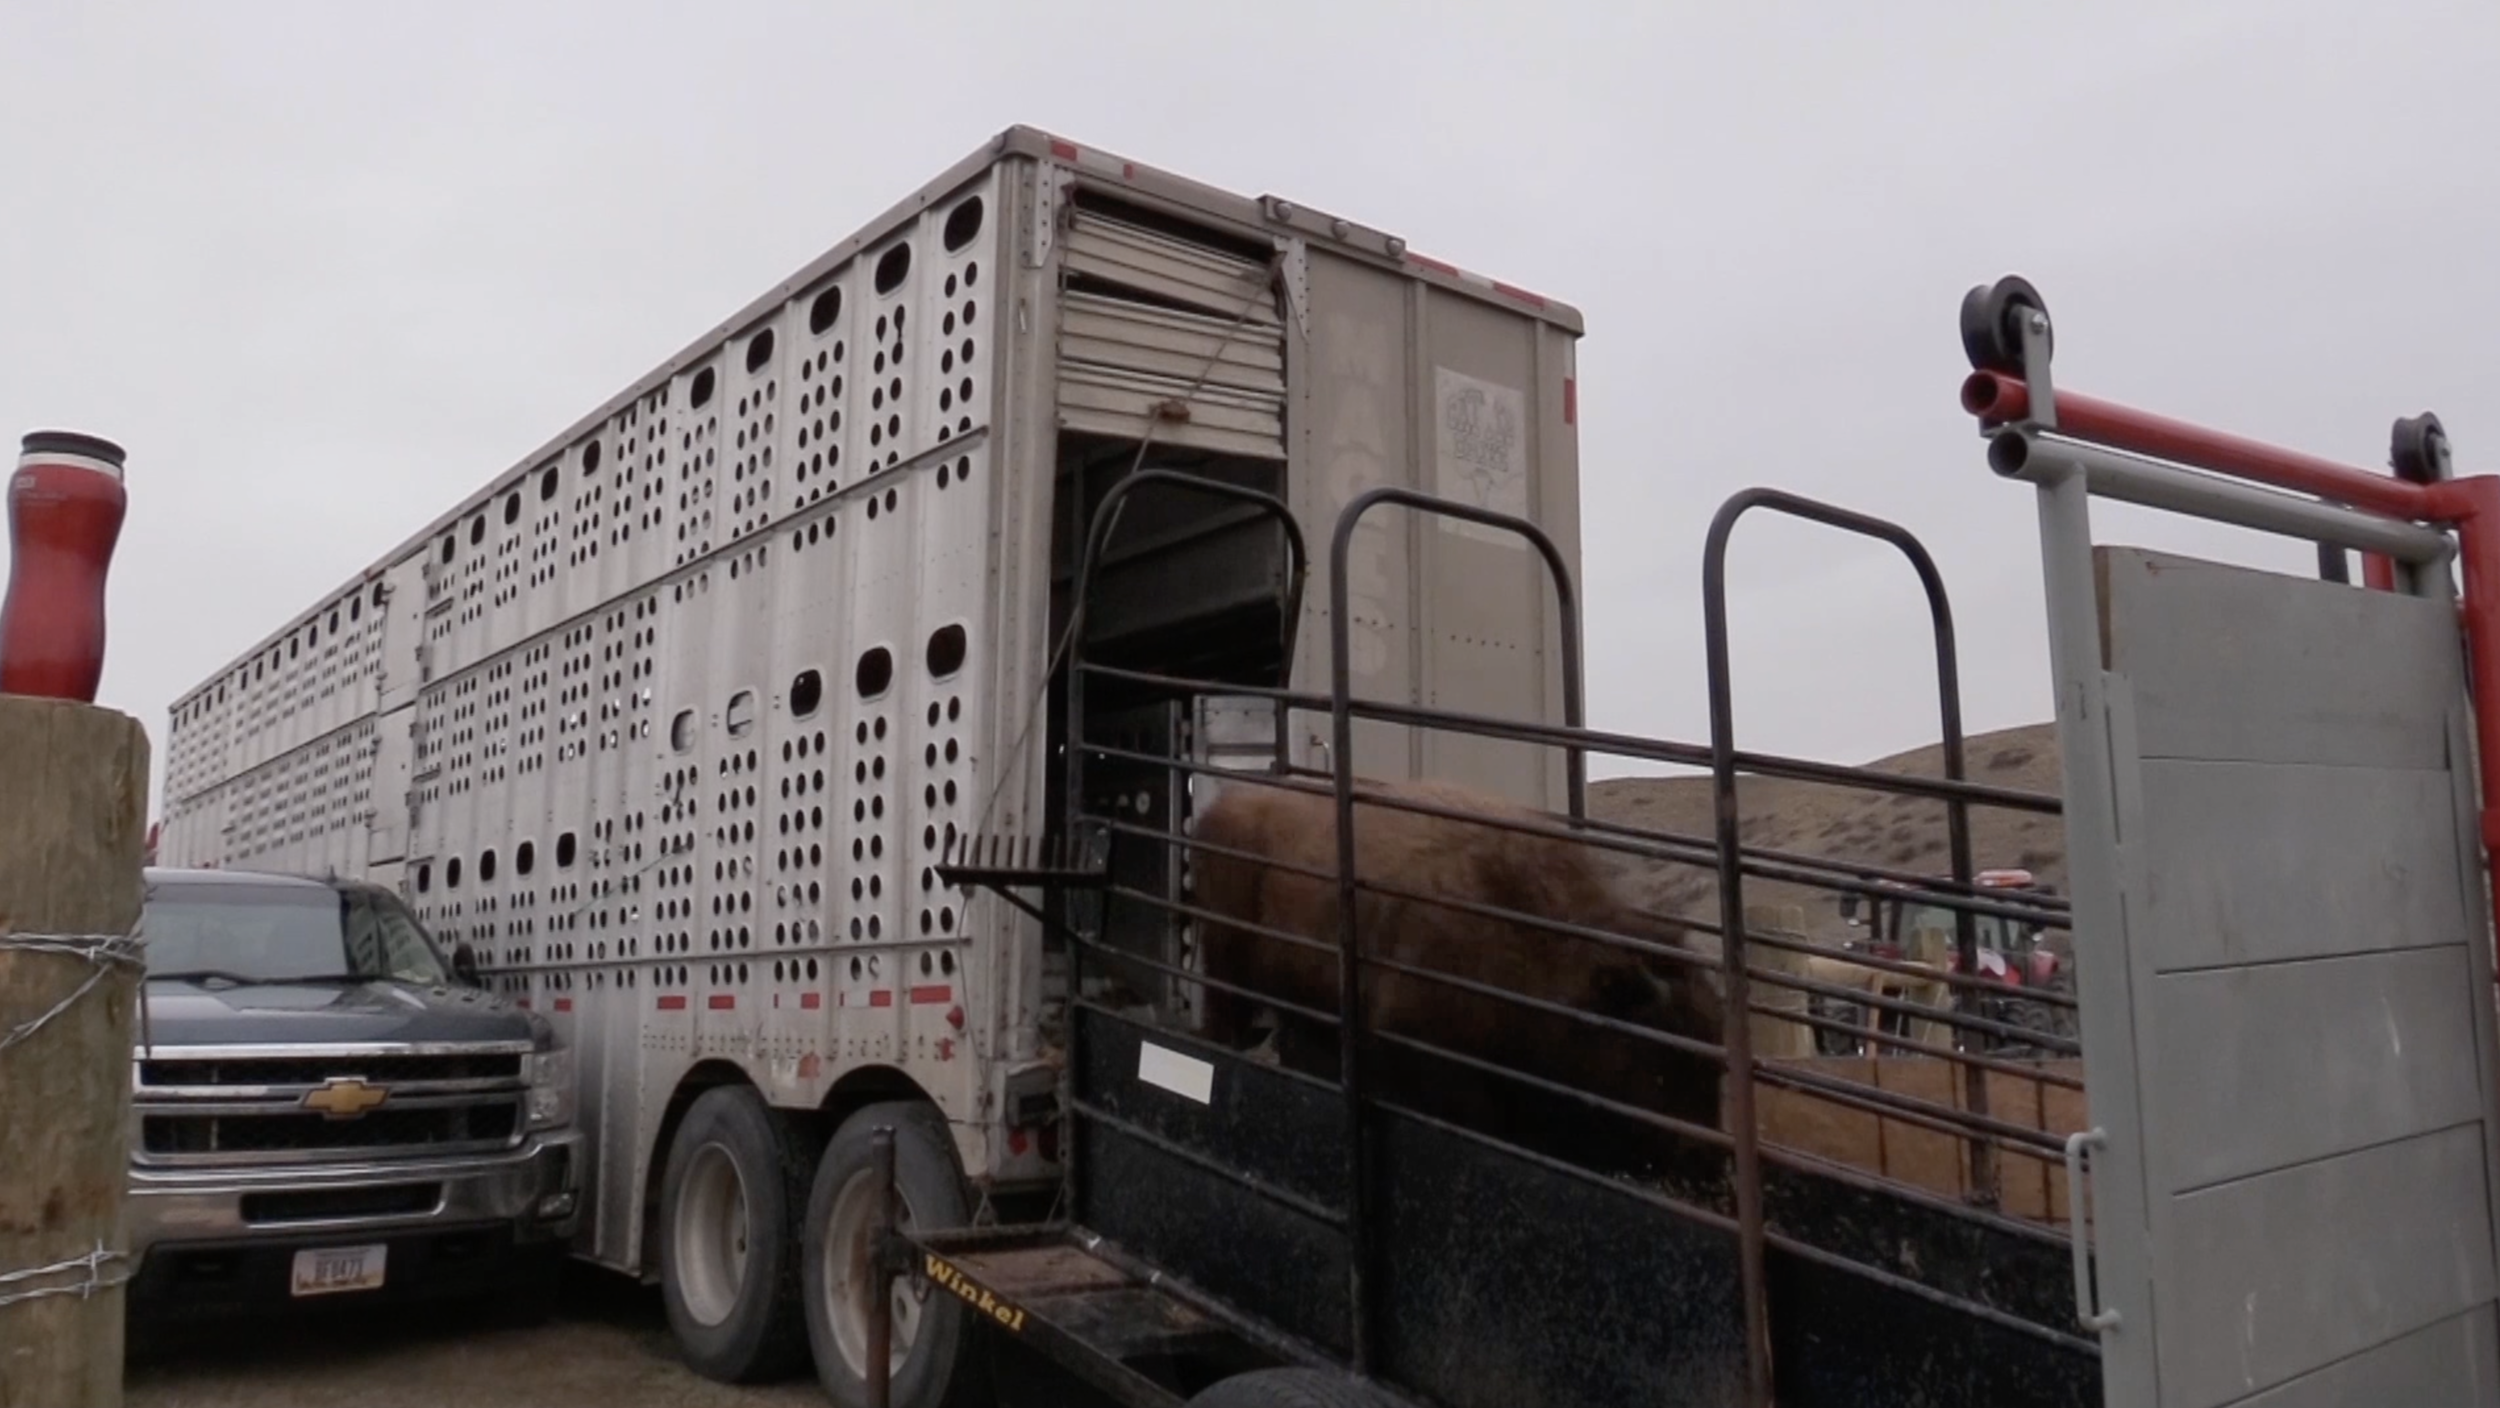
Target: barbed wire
{"type": "Point", "coordinates": [92, 1263]}
{"type": "Point", "coordinates": [102, 952]}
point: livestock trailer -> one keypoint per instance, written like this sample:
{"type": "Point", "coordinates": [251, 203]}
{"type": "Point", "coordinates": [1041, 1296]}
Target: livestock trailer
{"type": "Point", "coordinates": [666, 723]}
{"type": "Point", "coordinates": [2269, 1179]}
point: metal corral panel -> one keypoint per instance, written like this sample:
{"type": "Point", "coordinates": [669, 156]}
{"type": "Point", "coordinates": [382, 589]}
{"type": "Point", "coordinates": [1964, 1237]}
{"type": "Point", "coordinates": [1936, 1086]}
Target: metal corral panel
{"type": "Point", "coordinates": [2288, 1017]}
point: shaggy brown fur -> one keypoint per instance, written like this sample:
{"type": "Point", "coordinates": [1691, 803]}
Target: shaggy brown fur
{"type": "Point", "coordinates": [1543, 877]}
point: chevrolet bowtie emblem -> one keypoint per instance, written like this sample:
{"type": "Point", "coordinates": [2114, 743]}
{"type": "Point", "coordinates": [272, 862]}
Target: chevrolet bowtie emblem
{"type": "Point", "coordinates": [345, 1098]}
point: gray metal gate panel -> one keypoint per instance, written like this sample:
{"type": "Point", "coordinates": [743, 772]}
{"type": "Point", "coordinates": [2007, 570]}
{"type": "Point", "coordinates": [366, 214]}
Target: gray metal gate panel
{"type": "Point", "coordinates": [2287, 983]}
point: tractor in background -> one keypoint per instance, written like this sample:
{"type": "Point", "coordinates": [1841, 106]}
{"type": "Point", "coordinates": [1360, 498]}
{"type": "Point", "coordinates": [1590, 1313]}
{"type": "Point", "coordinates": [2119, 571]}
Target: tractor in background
{"type": "Point", "coordinates": [1902, 927]}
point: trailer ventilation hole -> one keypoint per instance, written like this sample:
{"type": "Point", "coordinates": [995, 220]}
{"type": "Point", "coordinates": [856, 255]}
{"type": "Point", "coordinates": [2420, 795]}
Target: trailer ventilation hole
{"type": "Point", "coordinates": [760, 350]}
{"type": "Point", "coordinates": [893, 267]}
{"type": "Point", "coordinates": [477, 530]}
{"type": "Point", "coordinates": [700, 395]}
{"type": "Point", "coordinates": [741, 715]}
{"type": "Point", "coordinates": [590, 456]}
{"type": "Point", "coordinates": [825, 311]}
{"type": "Point", "coordinates": [451, 873]}
{"type": "Point", "coordinates": [946, 651]}
{"type": "Point", "coordinates": [425, 878]}
{"type": "Point", "coordinates": [875, 673]}
{"type": "Point", "coordinates": [963, 224]}
{"type": "Point", "coordinates": [807, 691]}
{"type": "Point", "coordinates": [525, 858]}
{"type": "Point", "coordinates": [681, 730]}
{"type": "Point", "coordinates": [486, 866]}
{"type": "Point", "coordinates": [564, 851]}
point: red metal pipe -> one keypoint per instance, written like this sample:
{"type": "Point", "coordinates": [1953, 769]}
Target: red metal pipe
{"type": "Point", "coordinates": [2471, 506]}
{"type": "Point", "coordinates": [1996, 398]}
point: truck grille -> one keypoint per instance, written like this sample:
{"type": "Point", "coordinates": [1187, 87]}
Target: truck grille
{"type": "Point", "coordinates": [216, 1109]}
{"type": "Point", "coordinates": [312, 1070]}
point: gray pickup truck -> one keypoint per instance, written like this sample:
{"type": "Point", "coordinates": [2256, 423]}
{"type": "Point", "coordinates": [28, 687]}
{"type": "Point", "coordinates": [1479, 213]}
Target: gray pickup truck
{"type": "Point", "coordinates": [325, 1105]}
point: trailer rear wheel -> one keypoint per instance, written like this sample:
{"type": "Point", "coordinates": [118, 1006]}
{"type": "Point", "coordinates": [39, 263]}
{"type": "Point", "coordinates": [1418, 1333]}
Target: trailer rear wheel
{"type": "Point", "coordinates": [936, 1359]}
{"type": "Point", "coordinates": [1290, 1388]}
{"type": "Point", "coordinates": [728, 1262]}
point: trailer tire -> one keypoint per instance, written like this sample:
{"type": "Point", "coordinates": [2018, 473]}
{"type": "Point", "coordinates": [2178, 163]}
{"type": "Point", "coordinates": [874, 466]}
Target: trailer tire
{"type": "Point", "coordinates": [1290, 1388]}
{"type": "Point", "coordinates": [944, 1362]}
{"type": "Point", "coordinates": [729, 1273]}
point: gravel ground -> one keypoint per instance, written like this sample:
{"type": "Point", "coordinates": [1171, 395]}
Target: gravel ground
{"type": "Point", "coordinates": [608, 1347]}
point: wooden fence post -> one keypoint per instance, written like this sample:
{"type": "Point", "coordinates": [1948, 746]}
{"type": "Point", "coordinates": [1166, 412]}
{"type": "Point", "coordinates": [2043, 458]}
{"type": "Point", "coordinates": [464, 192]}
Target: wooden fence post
{"type": "Point", "coordinates": [73, 823]}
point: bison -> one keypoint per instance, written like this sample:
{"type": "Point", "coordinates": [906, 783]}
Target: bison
{"type": "Point", "coordinates": [1543, 877]}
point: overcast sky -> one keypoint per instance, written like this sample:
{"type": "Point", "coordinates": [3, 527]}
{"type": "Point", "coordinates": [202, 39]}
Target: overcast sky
{"type": "Point", "coordinates": [325, 268]}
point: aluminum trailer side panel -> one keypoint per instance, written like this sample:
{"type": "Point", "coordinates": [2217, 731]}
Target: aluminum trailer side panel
{"type": "Point", "coordinates": [1473, 403]}
{"type": "Point", "coordinates": [671, 718]}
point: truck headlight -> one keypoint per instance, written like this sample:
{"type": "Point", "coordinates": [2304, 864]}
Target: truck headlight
{"type": "Point", "coordinates": [551, 1088]}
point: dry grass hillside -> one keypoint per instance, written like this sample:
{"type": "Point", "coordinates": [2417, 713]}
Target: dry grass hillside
{"type": "Point", "coordinates": [1865, 828]}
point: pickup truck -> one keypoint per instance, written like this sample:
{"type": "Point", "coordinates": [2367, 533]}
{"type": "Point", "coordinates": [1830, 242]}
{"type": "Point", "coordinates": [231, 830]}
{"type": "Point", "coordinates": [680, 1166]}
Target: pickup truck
{"type": "Point", "coordinates": [325, 1105]}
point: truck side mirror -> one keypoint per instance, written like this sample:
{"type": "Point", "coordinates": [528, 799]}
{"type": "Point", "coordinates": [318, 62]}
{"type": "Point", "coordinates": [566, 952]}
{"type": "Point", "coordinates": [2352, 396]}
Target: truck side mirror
{"type": "Point", "coordinates": [464, 965]}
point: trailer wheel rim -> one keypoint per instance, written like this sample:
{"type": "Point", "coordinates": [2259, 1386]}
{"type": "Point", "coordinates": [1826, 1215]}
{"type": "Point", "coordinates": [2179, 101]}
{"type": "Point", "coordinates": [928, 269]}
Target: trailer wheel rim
{"type": "Point", "coordinates": [846, 1280]}
{"type": "Point", "coordinates": [711, 1235]}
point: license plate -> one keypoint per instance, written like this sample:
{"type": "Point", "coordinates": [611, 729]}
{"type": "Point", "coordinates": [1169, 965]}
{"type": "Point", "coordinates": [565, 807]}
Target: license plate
{"type": "Point", "coordinates": [321, 1271]}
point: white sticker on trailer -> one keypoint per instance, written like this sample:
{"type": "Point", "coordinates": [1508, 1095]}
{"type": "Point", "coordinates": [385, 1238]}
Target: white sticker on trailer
{"type": "Point", "coordinates": [1482, 432]}
{"type": "Point", "coordinates": [1182, 1075]}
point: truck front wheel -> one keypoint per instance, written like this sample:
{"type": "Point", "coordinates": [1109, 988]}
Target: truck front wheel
{"type": "Point", "coordinates": [936, 1358]}
{"type": "Point", "coordinates": [728, 1262]}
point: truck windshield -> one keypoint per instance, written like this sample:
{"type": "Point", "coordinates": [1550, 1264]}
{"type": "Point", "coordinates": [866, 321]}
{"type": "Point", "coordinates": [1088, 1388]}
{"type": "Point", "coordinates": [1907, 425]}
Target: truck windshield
{"type": "Point", "coordinates": [264, 934]}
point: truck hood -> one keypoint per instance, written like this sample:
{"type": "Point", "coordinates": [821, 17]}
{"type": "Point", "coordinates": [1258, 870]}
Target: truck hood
{"type": "Point", "coordinates": [267, 1014]}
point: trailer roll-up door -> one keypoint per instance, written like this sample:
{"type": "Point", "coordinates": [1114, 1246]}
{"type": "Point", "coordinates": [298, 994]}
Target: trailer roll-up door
{"type": "Point", "coordinates": [1149, 318]}
{"type": "Point", "coordinates": [2281, 925]}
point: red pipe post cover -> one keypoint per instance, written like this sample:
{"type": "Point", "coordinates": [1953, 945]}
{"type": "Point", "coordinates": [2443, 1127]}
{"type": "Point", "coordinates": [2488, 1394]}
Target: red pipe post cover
{"type": "Point", "coordinates": [66, 503]}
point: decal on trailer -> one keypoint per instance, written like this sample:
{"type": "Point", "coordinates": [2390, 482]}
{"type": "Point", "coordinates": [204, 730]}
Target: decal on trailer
{"type": "Point", "coordinates": [1482, 434]}
{"type": "Point", "coordinates": [973, 1293]}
